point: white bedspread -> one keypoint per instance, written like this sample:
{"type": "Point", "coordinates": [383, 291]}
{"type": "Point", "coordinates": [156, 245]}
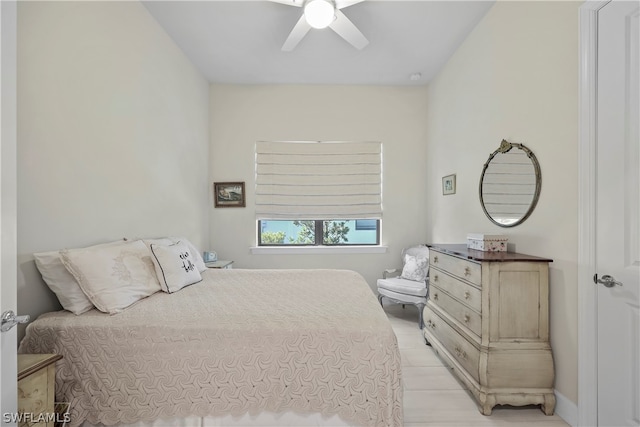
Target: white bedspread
{"type": "Point", "coordinates": [239, 342]}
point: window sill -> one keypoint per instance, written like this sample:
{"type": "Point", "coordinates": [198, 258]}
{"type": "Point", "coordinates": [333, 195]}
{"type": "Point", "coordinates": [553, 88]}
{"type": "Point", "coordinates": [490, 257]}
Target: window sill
{"type": "Point", "coordinates": [294, 250]}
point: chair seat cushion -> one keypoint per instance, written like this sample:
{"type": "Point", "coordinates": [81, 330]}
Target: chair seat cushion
{"type": "Point", "coordinates": [402, 298]}
{"type": "Point", "coordinates": [403, 286]}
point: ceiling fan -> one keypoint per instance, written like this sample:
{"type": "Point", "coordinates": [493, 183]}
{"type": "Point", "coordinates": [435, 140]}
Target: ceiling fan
{"type": "Point", "coordinates": [322, 14]}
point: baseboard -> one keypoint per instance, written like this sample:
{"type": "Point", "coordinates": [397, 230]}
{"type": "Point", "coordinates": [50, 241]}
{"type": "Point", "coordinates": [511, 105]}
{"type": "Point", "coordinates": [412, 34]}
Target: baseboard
{"type": "Point", "coordinates": [566, 409]}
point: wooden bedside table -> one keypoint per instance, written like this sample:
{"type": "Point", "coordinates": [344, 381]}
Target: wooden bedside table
{"type": "Point", "coordinates": [36, 388]}
{"type": "Point", "coordinates": [219, 264]}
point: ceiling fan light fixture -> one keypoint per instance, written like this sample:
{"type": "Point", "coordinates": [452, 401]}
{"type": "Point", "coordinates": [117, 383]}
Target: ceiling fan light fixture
{"type": "Point", "coordinates": [319, 13]}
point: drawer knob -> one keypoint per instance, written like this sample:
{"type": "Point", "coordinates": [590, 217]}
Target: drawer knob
{"type": "Point", "coordinates": [431, 324]}
{"type": "Point", "coordinates": [460, 353]}
{"type": "Point", "coordinates": [435, 259]}
{"type": "Point", "coordinates": [435, 296]}
{"type": "Point", "coordinates": [467, 294]}
{"type": "Point", "coordinates": [467, 318]}
{"type": "Point", "coordinates": [467, 271]}
{"type": "Point", "coordinates": [435, 278]}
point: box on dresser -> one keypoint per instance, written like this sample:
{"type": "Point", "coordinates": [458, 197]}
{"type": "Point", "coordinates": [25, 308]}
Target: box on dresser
{"type": "Point", "coordinates": [487, 242]}
{"type": "Point", "coordinates": [487, 317]}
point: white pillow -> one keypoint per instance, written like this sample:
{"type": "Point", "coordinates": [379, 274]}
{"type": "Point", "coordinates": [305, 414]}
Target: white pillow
{"type": "Point", "coordinates": [113, 277]}
{"type": "Point", "coordinates": [197, 257]}
{"type": "Point", "coordinates": [175, 266]}
{"type": "Point", "coordinates": [62, 283]}
{"type": "Point", "coordinates": [415, 268]}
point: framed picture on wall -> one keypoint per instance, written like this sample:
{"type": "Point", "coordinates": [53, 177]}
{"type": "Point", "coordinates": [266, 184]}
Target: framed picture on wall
{"type": "Point", "coordinates": [449, 184]}
{"type": "Point", "coordinates": [228, 194]}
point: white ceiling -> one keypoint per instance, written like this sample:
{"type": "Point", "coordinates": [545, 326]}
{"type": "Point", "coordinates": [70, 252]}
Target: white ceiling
{"type": "Point", "coordinates": [239, 42]}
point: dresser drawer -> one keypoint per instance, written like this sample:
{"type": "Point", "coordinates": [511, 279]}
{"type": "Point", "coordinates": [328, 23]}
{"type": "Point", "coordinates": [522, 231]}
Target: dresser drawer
{"type": "Point", "coordinates": [458, 347]}
{"type": "Point", "coordinates": [465, 293]}
{"type": "Point", "coordinates": [461, 268]}
{"type": "Point", "coordinates": [463, 314]}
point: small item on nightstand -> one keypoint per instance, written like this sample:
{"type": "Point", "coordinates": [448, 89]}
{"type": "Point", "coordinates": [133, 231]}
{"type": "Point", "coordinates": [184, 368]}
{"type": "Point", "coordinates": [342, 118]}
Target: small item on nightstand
{"type": "Point", "coordinates": [210, 256]}
{"type": "Point", "coordinates": [487, 242]}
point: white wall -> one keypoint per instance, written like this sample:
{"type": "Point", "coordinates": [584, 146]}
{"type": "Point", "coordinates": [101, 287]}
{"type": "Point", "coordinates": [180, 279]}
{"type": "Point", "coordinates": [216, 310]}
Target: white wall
{"type": "Point", "coordinates": [515, 77]}
{"type": "Point", "coordinates": [242, 115]}
{"type": "Point", "coordinates": [113, 134]}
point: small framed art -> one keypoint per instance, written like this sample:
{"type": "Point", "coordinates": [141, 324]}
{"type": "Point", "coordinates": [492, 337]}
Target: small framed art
{"type": "Point", "coordinates": [449, 184]}
{"type": "Point", "coordinates": [228, 194]}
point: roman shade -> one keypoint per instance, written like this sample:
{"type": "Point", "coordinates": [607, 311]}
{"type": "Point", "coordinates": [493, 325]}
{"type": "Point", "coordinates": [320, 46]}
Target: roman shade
{"type": "Point", "coordinates": [318, 180]}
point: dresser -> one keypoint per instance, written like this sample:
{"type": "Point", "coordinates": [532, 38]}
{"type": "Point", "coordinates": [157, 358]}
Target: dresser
{"type": "Point", "coordinates": [36, 389]}
{"type": "Point", "coordinates": [487, 317]}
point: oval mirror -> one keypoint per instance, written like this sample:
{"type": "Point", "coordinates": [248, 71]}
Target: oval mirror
{"type": "Point", "coordinates": [510, 184]}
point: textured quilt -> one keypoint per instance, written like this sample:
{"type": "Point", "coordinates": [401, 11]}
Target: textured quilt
{"type": "Point", "coordinates": [240, 341]}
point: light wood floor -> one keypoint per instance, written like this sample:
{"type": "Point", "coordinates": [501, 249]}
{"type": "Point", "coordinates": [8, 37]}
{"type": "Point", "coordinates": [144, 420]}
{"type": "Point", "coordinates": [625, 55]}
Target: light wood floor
{"type": "Point", "coordinates": [434, 397]}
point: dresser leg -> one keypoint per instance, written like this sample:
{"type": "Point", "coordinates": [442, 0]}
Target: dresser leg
{"type": "Point", "coordinates": [487, 402]}
{"type": "Point", "coordinates": [486, 409]}
{"type": "Point", "coordinates": [549, 405]}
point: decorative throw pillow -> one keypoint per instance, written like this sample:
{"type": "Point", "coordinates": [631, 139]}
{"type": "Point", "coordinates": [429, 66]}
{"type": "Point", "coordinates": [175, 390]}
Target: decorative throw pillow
{"type": "Point", "coordinates": [113, 277]}
{"type": "Point", "coordinates": [415, 268]}
{"type": "Point", "coordinates": [158, 241]}
{"type": "Point", "coordinates": [175, 266]}
{"type": "Point", "coordinates": [197, 258]}
{"type": "Point", "coordinates": [195, 252]}
{"type": "Point", "coordinates": [62, 283]}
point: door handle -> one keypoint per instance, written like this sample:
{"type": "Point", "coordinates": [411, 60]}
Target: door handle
{"type": "Point", "coordinates": [9, 320]}
{"type": "Point", "coordinates": [607, 281]}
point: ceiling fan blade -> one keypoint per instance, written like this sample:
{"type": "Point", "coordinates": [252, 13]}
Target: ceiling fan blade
{"type": "Point", "coordinates": [298, 32]}
{"type": "Point", "coordinates": [348, 31]}
{"type": "Point", "coordinates": [297, 3]}
{"type": "Point", "coordinates": [341, 4]}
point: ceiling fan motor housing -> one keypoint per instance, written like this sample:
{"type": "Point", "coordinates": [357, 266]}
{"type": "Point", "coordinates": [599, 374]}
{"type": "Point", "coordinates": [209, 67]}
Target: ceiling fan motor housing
{"type": "Point", "coordinates": [319, 13]}
{"type": "Point", "coordinates": [322, 14]}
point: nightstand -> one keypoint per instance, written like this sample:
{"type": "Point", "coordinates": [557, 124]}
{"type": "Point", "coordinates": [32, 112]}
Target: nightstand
{"type": "Point", "coordinates": [220, 264]}
{"type": "Point", "coordinates": [36, 388]}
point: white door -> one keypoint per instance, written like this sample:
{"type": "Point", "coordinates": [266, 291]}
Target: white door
{"type": "Point", "coordinates": [618, 214]}
{"type": "Point", "coordinates": [8, 264]}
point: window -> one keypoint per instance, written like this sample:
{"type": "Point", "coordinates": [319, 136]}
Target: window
{"type": "Point", "coordinates": [366, 224]}
{"type": "Point", "coordinates": [318, 193]}
{"type": "Point", "coordinates": [317, 232]}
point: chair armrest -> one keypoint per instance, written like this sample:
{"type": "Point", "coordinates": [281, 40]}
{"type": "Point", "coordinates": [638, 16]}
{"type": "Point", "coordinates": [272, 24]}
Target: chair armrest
{"type": "Point", "coordinates": [390, 272]}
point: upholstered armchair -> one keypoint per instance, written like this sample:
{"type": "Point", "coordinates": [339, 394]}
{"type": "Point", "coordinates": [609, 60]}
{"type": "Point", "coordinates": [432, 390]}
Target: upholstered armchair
{"type": "Point", "coordinates": [409, 285]}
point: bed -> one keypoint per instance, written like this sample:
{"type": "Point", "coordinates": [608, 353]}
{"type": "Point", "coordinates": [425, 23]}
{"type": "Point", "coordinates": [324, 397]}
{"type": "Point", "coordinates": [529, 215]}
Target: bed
{"type": "Point", "coordinates": [236, 346]}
